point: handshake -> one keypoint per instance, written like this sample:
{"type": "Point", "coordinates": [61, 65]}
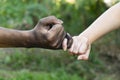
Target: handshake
{"type": "Point", "coordinates": [48, 33]}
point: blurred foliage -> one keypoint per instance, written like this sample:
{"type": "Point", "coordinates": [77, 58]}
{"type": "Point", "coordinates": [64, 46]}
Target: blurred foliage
{"type": "Point", "coordinates": [49, 61]}
{"type": "Point", "coordinates": [28, 75]}
{"type": "Point", "coordinates": [40, 64]}
{"type": "Point", "coordinates": [23, 13]}
{"type": "Point", "coordinates": [26, 13]}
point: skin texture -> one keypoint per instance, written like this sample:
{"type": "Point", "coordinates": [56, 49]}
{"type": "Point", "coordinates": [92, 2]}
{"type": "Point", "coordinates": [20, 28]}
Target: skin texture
{"type": "Point", "coordinates": [48, 33]}
{"type": "Point", "coordinates": [108, 21]}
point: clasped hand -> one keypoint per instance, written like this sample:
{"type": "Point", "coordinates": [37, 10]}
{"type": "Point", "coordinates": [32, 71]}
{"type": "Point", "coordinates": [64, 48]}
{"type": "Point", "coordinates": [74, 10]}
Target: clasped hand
{"type": "Point", "coordinates": [49, 33]}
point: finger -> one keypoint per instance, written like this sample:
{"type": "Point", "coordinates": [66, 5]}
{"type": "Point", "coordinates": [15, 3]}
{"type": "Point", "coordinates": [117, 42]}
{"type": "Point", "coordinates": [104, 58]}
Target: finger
{"type": "Point", "coordinates": [76, 46]}
{"type": "Point", "coordinates": [59, 39]}
{"type": "Point", "coordinates": [84, 56]}
{"type": "Point", "coordinates": [64, 44]}
{"type": "Point", "coordinates": [84, 46]}
{"type": "Point", "coordinates": [50, 20]}
{"type": "Point", "coordinates": [56, 29]}
{"type": "Point", "coordinates": [70, 40]}
{"type": "Point", "coordinates": [71, 49]}
{"type": "Point", "coordinates": [56, 35]}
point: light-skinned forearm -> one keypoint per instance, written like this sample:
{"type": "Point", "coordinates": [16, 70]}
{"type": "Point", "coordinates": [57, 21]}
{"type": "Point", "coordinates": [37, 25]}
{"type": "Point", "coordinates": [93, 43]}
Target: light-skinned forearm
{"type": "Point", "coordinates": [108, 21]}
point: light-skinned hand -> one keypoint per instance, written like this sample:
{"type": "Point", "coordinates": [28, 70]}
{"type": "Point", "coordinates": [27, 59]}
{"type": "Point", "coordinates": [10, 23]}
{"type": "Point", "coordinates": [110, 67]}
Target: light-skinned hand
{"type": "Point", "coordinates": [80, 47]}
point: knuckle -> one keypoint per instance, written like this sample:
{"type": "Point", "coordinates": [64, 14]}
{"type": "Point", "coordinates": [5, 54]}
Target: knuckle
{"type": "Point", "coordinates": [86, 58]}
{"type": "Point", "coordinates": [51, 41]}
{"type": "Point", "coordinates": [52, 17]}
{"type": "Point", "coordinates": [41, 21]}
{"type": "Point", "coordinates": [47, 18]}
{"type": "Point", "coordinates": [81, 52]}
{"type": "Point", "coordinates": [74, 38]}
{"type": "Point", "coordinates": [75, 52]}
{"type": "Point", "coordinates": [59, 26]}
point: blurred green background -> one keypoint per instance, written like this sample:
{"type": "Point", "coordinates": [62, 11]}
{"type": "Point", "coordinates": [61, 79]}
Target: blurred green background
{"type": "Point", "coordinates": [43, 64]}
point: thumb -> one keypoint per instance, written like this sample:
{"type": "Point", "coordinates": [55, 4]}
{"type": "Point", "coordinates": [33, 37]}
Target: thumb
{"type": "Point", "coordinates": [69, 40]}
{"type": "Point", "coordinates": [64, 44]}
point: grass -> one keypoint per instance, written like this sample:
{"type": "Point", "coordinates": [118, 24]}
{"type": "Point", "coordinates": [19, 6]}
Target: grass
{"type": "Point", "coordinates": [29, 75]}
{"type": "Point", "coordinates": [40, 64]}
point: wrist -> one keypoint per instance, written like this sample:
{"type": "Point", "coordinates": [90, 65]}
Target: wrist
{"type": "Point", "coordinates": [89, 34]}
{"type": "Point", "coordinates": [34, 39]}
{"type": "Point", "coordinates": [29, 39]}
{"type": "Point", "coordinates": [85, 36]}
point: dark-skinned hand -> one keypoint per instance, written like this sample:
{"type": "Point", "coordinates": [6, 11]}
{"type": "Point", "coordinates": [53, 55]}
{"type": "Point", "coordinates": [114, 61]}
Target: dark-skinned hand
{"type": "Point", "coordinates": [49, 33]}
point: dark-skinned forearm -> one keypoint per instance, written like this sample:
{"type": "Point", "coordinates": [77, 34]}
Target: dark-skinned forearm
{"type": "Point", "coordinates": [15, 38]}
